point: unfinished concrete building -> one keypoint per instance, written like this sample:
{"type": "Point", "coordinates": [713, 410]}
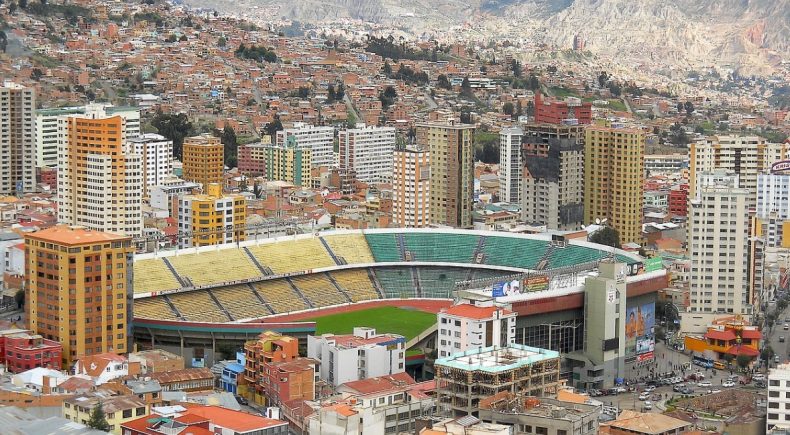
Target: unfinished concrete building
{"type": "Point", "coordinates": [463, 379]}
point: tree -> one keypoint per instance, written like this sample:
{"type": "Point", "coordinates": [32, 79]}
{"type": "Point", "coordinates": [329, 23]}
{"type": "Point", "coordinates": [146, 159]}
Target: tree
{"type": "Point", "coordinates": [171, 38]}
{"type": "Point", "coordinates": [387, 69]}
{"type": "Point", "coordinates": [443, 82]}
{"type": "Point", "coordinates": [303, 92]}
{"type": "Point", "coordinates": [183, 38]}
{"type": "Point", "coordinates": [22, 4]}
{"type": "Point", "coordinates": [3, 41]}
{"type": "Point", "coordinates": [606, 236]}
{"type": "Point", "coordinates": [36, 74]}
{"type": "Point", "coordinates": [11, 8]}
{"type": "Point", "coordinates": [221, 41]}
{"type": "Point", "coordinates": [256, 190]}
{"type": "Point", "coordinates": [679, 106]}
{"type": "Point", "coordinates": [534, 83]}
{"type": "Point", "coordinates": [174, 126]}
{"type": "Point", "coordinates": [515, 66]}
{"type": "Point", "coordinates": [273, 127]}
{"type": "Point", "coordinates": [689, 106]}
{"type": "Point", "coordinates": [231, 146]}
{"type": "Point", "coordinates": [340, 93]}
{"type": "Point", "coordinates": [508, 108]}
{"type": "Point", "coordinates": [767, 353]}
{"type": "Point", "coordinates": [216, 14]}
{"type": "Point", "coordinates": [603, 78]}
{"type": "Point", "coordinates": [466, 117]}
{"type": "Point", "coordinates": [466, 87]}
{"type": "Point", "coordinates": [19, 298]}
{"type": "Point", "coordinates": [97, 418]}
{"type": "Point", "coordinates": [743, 361]}
{"type": "Point", "coordinates": [330, 93]}
{"type": "Point", "coordinates": [388, 96]}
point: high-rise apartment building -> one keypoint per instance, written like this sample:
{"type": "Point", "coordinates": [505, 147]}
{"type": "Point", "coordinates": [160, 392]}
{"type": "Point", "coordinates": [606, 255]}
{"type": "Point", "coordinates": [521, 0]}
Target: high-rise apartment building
{"type": "Point", "coordinates": [452, 171]}
{"type": "Point", "coordinates": [614, 172]}
{"type": "Point", "coordinates": [157, 158]}
{"type": "Point", "coordinates": [411, 188]}
{"type": "Point", "coordinates": [746, 156]}
{"type": "Point", "coordinates": [368, 152]}
{"type": "Point", "coordinates": [718, 246]}
{"type": "Point", "coordinates": [778, 403]}
{"type": "Point", "coordinates": [100, 181]}
{"type": "Point", "coordinates": [553, 181]}
{"type": "Point", "coordinates": [51, 125]}
{"type": "Point", "coordinates": [211, 218]}
{"type": "Point", "coordinates": [319, 140]}
{"type": "Point", "coordinates": [79, 289]}
{"type": "Point", "coordinates": [203, 159]}
{"type": "Point", "coordinates": [510, 165]}
{"type": "Point", "coordinates": [17, 139]}
{"type": "Point", "coordinates": [289, 163]}
{"type": "Point", "coordinates": [464, 327]}
{"type": "Point", "coordinates": [252, 159]}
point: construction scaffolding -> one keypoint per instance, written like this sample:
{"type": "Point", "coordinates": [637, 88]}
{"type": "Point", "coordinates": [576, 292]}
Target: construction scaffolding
{"type": "Point", "coordinates": [463, 379]}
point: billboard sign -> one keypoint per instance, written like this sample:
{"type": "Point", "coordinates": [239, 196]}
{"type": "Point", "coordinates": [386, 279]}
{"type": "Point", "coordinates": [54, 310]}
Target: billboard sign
{"type": "Point", "coordinates": [655, 263]}
{"type": "Point", "coordinates": [634, 269]}
{"type": "Point", "coordinates": [506, 288]}
{"type": "Point", "coordinates": [780, 167]}
{"type": "Point", "coordinates": [536, 283]}
{"type": "Point", "coordinates": [639, 329]}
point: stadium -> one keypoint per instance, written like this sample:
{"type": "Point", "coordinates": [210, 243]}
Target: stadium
{"type": "Point", "coordinates": [196, 301]}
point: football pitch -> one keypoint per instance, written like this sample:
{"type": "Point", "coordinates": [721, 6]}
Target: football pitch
{"type": "Point", "coordinates": [406, 322]}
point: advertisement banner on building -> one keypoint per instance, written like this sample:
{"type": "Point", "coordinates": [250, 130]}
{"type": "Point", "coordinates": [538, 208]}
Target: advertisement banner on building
{"type": "Point", "coordinates": [536, 283]}
{"type": "Point", "coordinates": [645, 357]}
{"type": "Point", "coordinates": [653, 264]}
{"type": "Point", "coordinates": [634, 269]}
{"type": "Point", "coordinates": [506, 288]}
{"type": "Point", "coordinates": [639, 329]}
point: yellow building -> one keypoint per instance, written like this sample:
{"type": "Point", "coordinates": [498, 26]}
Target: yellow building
{"type": "Point", "coordinates": [613, 179]}
{"type": "Point", "coordinates": [78, 290]}
{"type": "Point", "coordinates": [211, 218]}
{"type": "Point", "coordinates": [452, 171]}
{"type": "Point", "coordinates": [203, 160]}
{"type": "Point", "coordinates": [117, 409]}
{"type": "Point", "coordinates": [289, 163]}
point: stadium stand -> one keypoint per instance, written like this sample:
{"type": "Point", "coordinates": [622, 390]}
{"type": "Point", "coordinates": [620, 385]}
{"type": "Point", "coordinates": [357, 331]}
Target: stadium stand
{"type": "Point", "coordinates": [197, 306]}
{"type": "Point", "coordinates": [319, 290]}
{"type": "Point", "coordinates": [384, 247]}
{"type": "Point", "coordinates": [356, 283]}
{"type": "Point", "coordinates": [214, 267]}
{"type": "Point", "coordinates": [293, 255]}
{"type": "Point", "coordinates": [571, 255]}
{"type": "Point", "coordinates": [451, 248]}
{"type": "Point", "coordinates": [152, 275]}
{"type": "Point", "coordinates": [351, 247]}
{"type": "Point", "coordinates": [439, 282]}
{"type": "Point", "coordinates": [153, 308]}
{"type": "Point", "coordinates": [396, 283]}
{"type": "Point", "coordinates": [514, 252]}
{"type": "Point", "coordinates": [240, 302]}
{"type": "Point", "coordinates": [279, 294]}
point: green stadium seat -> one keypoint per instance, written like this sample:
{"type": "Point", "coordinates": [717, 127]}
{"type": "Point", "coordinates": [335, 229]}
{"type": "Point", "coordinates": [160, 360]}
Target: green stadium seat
{"type": "Point", "coordinates": [384, 247]}
{"type": "Point", "coordinates": [441, 247]}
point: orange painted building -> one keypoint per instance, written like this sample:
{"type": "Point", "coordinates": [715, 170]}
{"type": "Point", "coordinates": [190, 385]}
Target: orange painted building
{"type": "Point", "coordinates": [731, 335]}
{"type": "Point", "coordinates": [78, 290]}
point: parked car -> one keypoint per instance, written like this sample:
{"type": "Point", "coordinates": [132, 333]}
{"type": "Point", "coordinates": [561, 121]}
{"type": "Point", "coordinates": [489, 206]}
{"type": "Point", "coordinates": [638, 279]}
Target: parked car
{"type": "Point", "coordinates": [704, 384]}
{"type": "Point", "coordinates": [650, 388]}
{"type": "Point", "coordinates": [728, 384]}
{"type": "Point", "coordinates": [687, 390]}
{"type": "Point", "coordinates": [241, 400]}
{"type": "Point", "coordinates": [618, 390]}
{"type": "Point", "coordinates": [644, 396]}
{"type": "Point", "coordinates": [781, 338]}
{"type": "Point", "coordinates": [648, 405]}
{"type": "Point", "coordinates": [678, 388]}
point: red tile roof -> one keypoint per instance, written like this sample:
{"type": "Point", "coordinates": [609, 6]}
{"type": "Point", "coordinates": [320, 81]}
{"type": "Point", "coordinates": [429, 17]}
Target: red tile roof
{"type": "Point", "coordinates": [234, 420]}
{"type": "Point", "coordinates": [725, 335]}
{"type": "Point", "coordinates": [743, 350]}
{"type": "Point", "coordinates": [381, 383]}
{"type": "Point", "coordinates": [751, 333]}
{"type": "Point", "coordinates": [474, 312]}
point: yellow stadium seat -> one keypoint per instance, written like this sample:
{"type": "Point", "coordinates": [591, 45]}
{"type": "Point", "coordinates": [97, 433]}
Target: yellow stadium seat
{"type": "Point", "coordinates": [293, 255]}
{"type": "Point", "coordinates": [356, 283]}
{"type": "Point", "coordinates": [197, 306]}
{"type": "Point", "coordinates": [152, 275]}
{"type": "Point", "coordinates": [215, 267]}
{"type": "Point", "coordinates": [280, 296]}
{"type": "Point", "coordinates": [351, 247]}
{"type": "Point", "coordinates": [153, 308]}
{"type": "Point", "coordinates": [240, 302]}
{"type": "Point", "coordinates": [319, 290]}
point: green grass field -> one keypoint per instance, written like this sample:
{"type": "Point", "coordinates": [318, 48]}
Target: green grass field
{"type": "Point", "coordinates": [406, 322]}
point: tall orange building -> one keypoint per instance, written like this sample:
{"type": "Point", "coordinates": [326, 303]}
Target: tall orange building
{"type": "Point", "coordinates": [203, 159]}
{"type": "Point", "coordinates": [100, 183]}
{"type": "Point", "coordinates": [262, 355]}
{"type": "Point", "coordinates": [79, 289]}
